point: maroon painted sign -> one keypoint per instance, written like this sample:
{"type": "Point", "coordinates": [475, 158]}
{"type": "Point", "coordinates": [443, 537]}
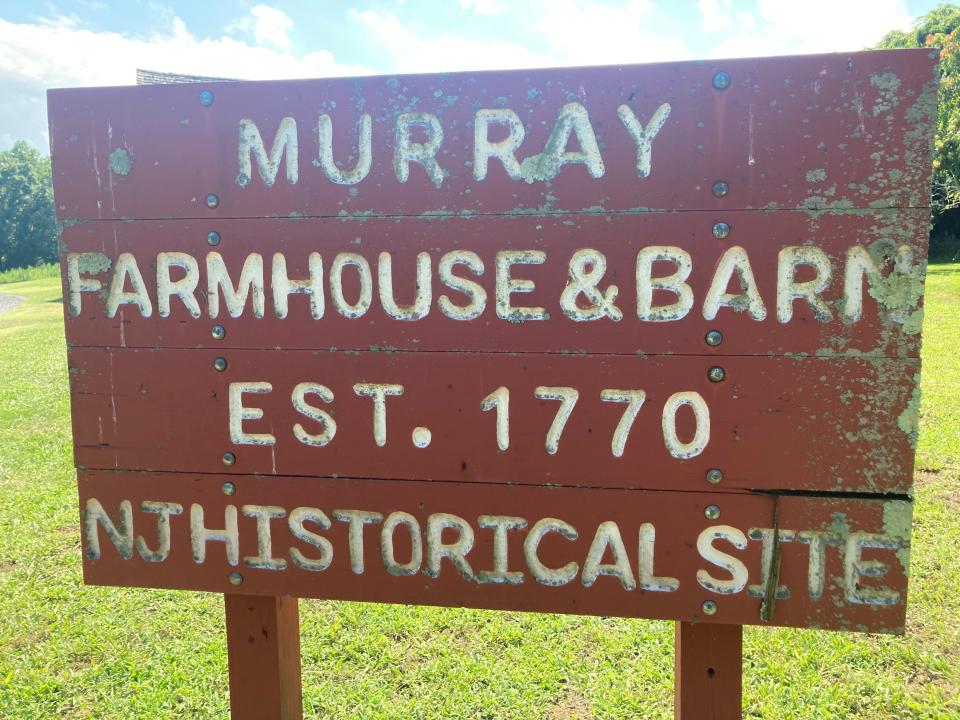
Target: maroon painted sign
{"type": "Point", "coordinates": [665, 274]}
{"type": "Point", "coordinates": [656, 554]}
{"type": "Point", "coordinates": [612, 420]}
{"type": "Point", "coordinates": [635, 341]}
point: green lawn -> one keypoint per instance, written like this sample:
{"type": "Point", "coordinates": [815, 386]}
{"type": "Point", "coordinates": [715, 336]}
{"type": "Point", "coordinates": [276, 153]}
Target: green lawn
{"type": "Point", "coordinates": [69, 651]}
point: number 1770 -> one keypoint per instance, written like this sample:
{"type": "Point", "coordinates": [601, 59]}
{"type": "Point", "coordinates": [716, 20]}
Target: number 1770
{"type": "Point", "coordinates": [499, 401]}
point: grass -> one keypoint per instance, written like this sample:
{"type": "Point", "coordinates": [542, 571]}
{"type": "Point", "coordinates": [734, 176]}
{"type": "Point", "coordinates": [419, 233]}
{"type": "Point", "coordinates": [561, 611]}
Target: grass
{"type": "Point", "coordinates": [69, 651]}
{"type": "Point", "coordinates": [25, 274]}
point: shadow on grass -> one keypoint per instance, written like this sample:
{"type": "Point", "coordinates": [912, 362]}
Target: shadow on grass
{"type": "Point", "coordinates": [944, 267]}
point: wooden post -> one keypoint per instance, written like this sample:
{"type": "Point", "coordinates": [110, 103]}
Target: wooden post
{"type": "Point", "coordinates": [708, 671]}
{"type": "Point", "coordinates": [263, 653]}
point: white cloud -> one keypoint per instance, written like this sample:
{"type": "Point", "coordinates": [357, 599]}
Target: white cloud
{"type": "Point", "coordinates": [715, 14]}
{"type": "Point", "coordinates": [591, 33]}
{"type": "Point", "coordinates": [813, 26]}
{"type": "Point", "coordinates": [267, 25]}
{"type": "Point", "coordinates": [482, 7]}
{"type": "Point", "coordinates": [413, 52]}
{"type": "Point", "coordinates": [58, 52]}
{"type": "Point", "coordinates": [564, 32]}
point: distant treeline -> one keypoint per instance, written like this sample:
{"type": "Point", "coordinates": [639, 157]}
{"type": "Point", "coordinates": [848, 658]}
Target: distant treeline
{"type": "Point", "coordinates": [940, 29]}
{"type": "Point", "coordinates": [28, 224]}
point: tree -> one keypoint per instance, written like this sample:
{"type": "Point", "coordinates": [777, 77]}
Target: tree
{"type": "Point", "coordinates": [940, 28]}
{"type": "Point", "coordinates": [28, 224]}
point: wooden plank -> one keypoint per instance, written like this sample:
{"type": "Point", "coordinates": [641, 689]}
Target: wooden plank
{"type": "Point", "coordinates": [263, 651]}
{"type": "Point", "coordinates": [774, 423]}
{"type": "Point", "coordinates": [708, 672]}
{"type": "Point", "coordinates": [843, 560]}
{"type": "Point", "coordinates": [888, 322]}
{"type": "Point", "coordinates": [835, 131]}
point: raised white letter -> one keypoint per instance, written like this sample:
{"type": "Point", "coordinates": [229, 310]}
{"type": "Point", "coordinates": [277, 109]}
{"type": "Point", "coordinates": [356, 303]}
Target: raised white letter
{"type": "Point", "coordinates": [643, 135]}
{"type": "Point", "coordinates": [474, 291]}
{"type": "Point", "coordinates": [283, 286]}
{"type": "Point", "coordinates": [336, 285]}
{"type": "Point", "coordinates": [546, 165]}
{"type": "Point", "coordinates": [506, 285]}
{"type": "Point", "coordinates": [250, 284]}
{"type": "Point", "coordinates": [423, 153]}
{"type": "Point", "coordinates": [504, 149]}
{"type": "Point", "coordinates": [789, 290]}
{"type": "Point", "coordinates": [239, 413]}
{"type": "Point", "coordinates": [364, 153]}
{"type": "Point", "coordinates": [734, 260]}
{"type": "Point", "coordinates": [674, 283]}
{"type": "Point", "coordinates": [734, 566]}
{"type": "Point", "coordinates": [267, 166]}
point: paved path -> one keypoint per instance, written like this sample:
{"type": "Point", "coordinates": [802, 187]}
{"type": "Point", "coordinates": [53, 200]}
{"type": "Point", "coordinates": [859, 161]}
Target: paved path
{"type": "Point", "coordinates": [9, 302]}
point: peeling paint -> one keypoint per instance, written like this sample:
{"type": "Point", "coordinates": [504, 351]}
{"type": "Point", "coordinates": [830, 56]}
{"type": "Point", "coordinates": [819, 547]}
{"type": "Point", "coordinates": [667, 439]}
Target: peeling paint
{"type": "Point", "coordinates": [121, 161]}
{"type": "Point", "coordinates": [909, 420]}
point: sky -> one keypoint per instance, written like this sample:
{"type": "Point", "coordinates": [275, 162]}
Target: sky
{"type": "Point", "coordinates": [71, 43]}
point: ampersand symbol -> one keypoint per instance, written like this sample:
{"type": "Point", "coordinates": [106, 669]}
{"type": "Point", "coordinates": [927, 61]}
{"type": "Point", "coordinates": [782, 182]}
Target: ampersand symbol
{"type": "Point", "coordinates": [587, 268]}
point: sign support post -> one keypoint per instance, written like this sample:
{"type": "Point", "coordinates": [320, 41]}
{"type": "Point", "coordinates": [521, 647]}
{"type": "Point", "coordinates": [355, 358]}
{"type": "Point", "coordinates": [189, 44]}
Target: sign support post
{"type": "Point", "coordinates": [708, 671]}
{"type": "Point", "coordinates": [263, 657]}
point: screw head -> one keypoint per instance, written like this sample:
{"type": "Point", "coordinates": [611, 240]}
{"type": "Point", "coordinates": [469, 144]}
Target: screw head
{"type": "Point", "coordinates": [720, 188]}
{"type": "Point", "coordinates": [711, 512]}
{"type": "Point", "coordinates": [721, 230]}
{"type": "Point", "coordinates": [721, 81]}
{"type": "Point", "coordinates": [206, 98]}
{"type": "Point", "coordinates": [217, 332]}
{"type": "Point", "coordinates": [714, 476]}
{"type": "Point", "coordinates": [229, 488]}
{"type": "Point", "coordinates": [229, 459]}
{"type": "Point", "coordinates": [716, 374]}
{"type": "Point", "coordinates": [213, 238]}
{"type": "Point", "coordinates": [713, 338]}
{"type": "Point", "coordinates": [220, 364]}
{"type": "Point", "coordinates": [709, 607]}
{"type": "Point", "coordinates": [237, 579]}
{"type": "Point", "coordinates": [212, 201]}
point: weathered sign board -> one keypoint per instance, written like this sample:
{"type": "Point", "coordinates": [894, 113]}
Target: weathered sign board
{"type": "Point", "coordinates": [636, 341]}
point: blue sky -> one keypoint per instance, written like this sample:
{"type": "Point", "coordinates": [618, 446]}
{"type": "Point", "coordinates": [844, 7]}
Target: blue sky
{"type": "Point", "coordinates": [102, 42]}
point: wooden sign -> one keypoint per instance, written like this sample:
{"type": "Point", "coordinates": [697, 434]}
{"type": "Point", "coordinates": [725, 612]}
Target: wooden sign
{"type": "Point", "coordinates": [636, 341]}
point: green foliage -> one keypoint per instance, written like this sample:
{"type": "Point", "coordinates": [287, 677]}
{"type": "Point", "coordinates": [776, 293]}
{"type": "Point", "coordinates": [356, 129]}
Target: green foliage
{"type": "Point", "coordinates": [28, 225]}
{"type": "Point", "coordinates": [940, 28]}
{"type": "Point", "coordinates": [35, 272]}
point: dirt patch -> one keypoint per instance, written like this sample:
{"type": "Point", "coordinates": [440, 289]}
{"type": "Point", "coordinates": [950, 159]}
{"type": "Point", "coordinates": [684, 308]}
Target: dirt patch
{"type": "Point", "coordinates": [28, 640]}
{"type": "Point", "coordinates": [9, 302]}
{"type": "Point", "coordinates": [572, 706]}
{"type": "Point", "coordinates": [942, 483]}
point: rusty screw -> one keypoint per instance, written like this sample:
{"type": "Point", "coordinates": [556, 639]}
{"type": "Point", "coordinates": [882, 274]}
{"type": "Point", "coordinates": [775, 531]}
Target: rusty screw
{"type": "Point", "coordinates": [714, 476]}
{"type": "Point", "coordinates": [229, 488]}
{"type": "Point", "coordinates": [220, 364]}
{"type": "Point", "coordinates": [713, 338]}
{"type": "Point", "coordinates": [721, 230]}
{"type": "Point", "coordinates": [212, 201]}
{"type": "Point", "coordinates": [229, 459]}
{"type": "Point", "coordinates": [720, 188]}
{"type": "Point", "coordinates": [716, 374]}
{"type": "Point", "coordinates": [721, 81]}
{"type": "Point", "coordinates": [213, 238]}
{"type": "Point", "coordinates": [206, 98]}
{"type": "Point", "coordinates": [217, 332]}
{"type": "Point", "coordinates": [236, 578]}
{"type": "Point", "coordinates": [709, 607]}
{"type": "Point", "coordinates": [711, 512]}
